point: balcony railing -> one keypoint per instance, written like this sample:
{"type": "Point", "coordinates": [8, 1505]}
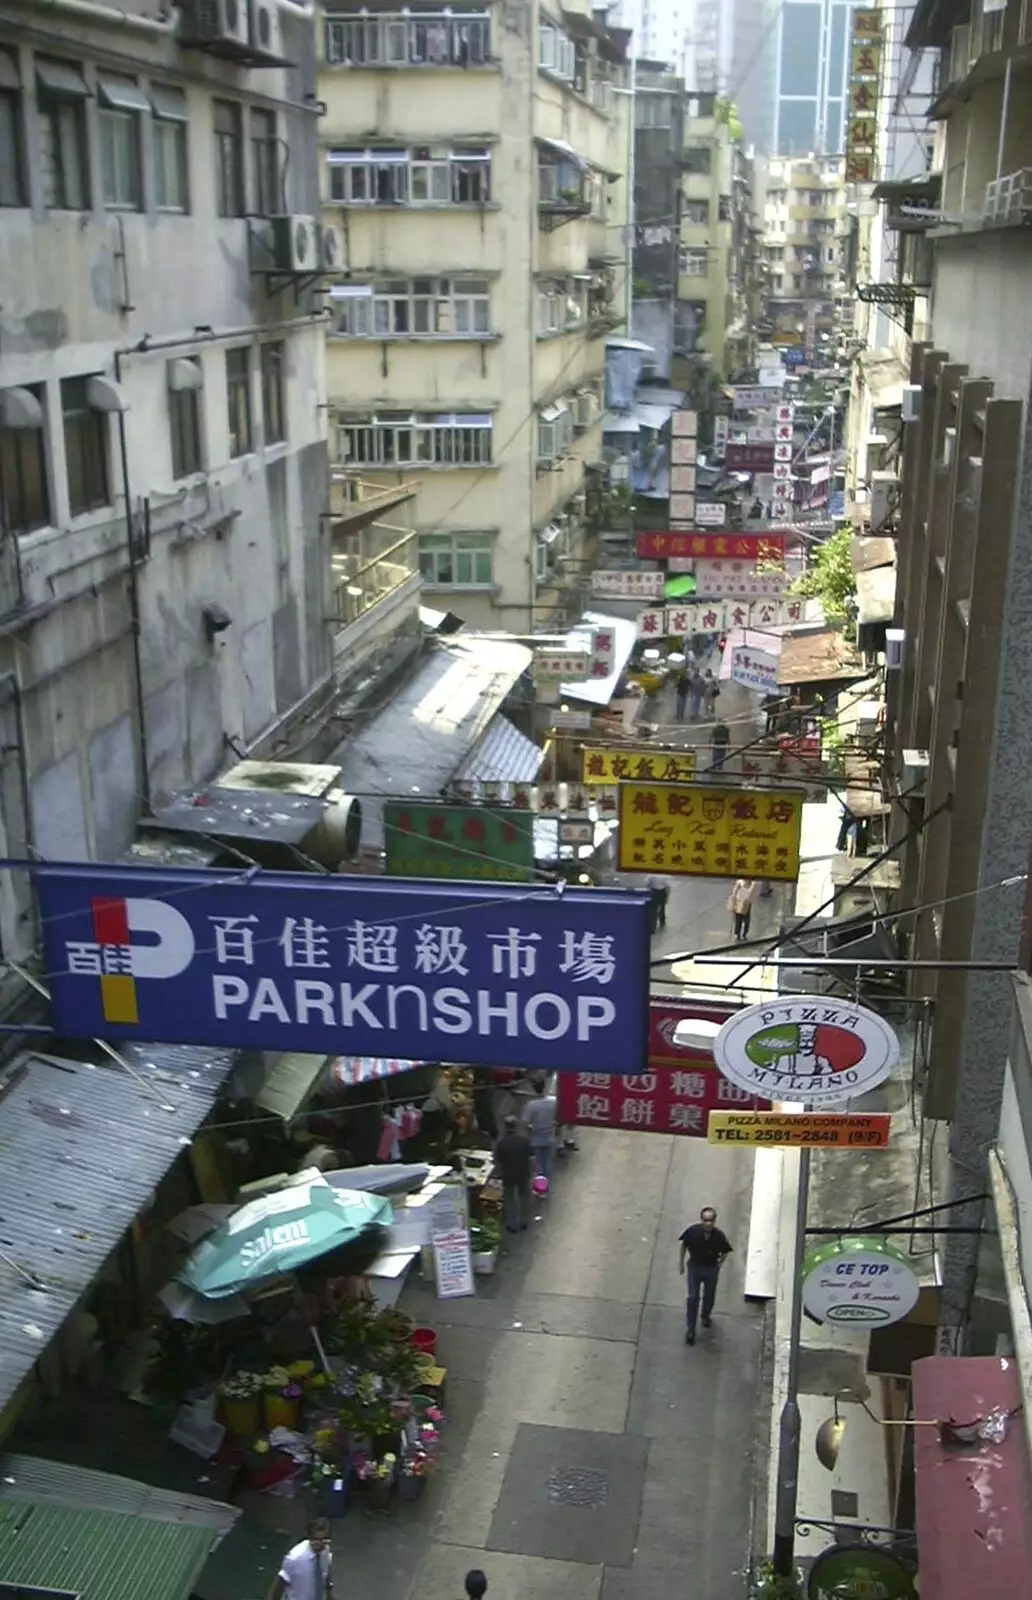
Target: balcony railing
{"type": "Point", "coordinates": [369, 566]}
{"type": "Point", "coordinates": [1009, 199]}
{"type": "Point", "coordinates": [401, 39]}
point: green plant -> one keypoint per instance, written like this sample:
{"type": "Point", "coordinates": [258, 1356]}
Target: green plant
{"type": "Point", "coordinates": [486, 1235]}
{"type": "Point", "coordinates": [830, 577]}
{"type": "Point", "coordinates": [766, 1584]}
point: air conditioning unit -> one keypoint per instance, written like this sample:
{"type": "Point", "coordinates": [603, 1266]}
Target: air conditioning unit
{"type": "Point", "coordinates": [331, 248]}
{"type": "Point", "coordinates": [215, 22]}
{"type": "Point", "coordinates": [295, 244]}
{"type": "Point", "coordinates": [585, 409]}
{"type": "Point", "coordinates": [266, 29]}
{"type": "Point", "coordinates": [884, 500]}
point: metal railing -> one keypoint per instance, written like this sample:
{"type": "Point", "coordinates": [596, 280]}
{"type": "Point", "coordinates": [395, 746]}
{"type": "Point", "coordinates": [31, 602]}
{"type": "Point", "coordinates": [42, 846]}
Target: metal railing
{"type": "Point", "coordinates": [379, 560]}
{"type": "Point", "coordinates": [1009, 199]}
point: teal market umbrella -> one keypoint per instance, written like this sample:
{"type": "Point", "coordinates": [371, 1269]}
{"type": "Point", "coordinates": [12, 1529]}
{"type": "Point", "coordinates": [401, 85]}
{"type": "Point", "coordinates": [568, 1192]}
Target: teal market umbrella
{"type": "Point", "coordinates": [282, 1232]}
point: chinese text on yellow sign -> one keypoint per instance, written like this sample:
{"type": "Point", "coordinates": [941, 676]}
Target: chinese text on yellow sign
{"type": "Point", "coordinates": [612, 765]}
{"type": "Point", "coordinates": [707, 832]}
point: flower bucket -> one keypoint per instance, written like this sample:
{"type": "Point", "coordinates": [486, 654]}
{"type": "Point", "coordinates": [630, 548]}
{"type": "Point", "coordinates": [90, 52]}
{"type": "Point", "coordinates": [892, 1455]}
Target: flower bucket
{"type": "Point", "coordinates": [242, 1415]}
{"type": "Point", "coordinates": [334, 1495]}
{"type": "Point", "coordinates": [281, 1412]}
{"type": "Point", "coordinates": [409, 1487]}
{"type": "Point", "coordinates": [379, 1491]}
{"type": "Point", "coordinates": [425, 1341]}
{"type": "Point", "coordinates": [421, 1404]}
{"type": "Point", "coordinates": [484, 1262]}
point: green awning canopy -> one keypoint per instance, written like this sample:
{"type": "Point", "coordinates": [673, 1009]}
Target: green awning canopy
{"type": "Point", "coordinates": [677, 588]}
{"type": "Point", "coordinates": [99, 1555]}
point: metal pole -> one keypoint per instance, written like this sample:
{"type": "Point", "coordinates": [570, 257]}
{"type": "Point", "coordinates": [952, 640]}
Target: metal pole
{"type": "Point", "coordinates": [1004, 109]}
{"type": "Point", "coordinates": [787, 1493]}
{"type": "Point", "coordinates": [631, 210]}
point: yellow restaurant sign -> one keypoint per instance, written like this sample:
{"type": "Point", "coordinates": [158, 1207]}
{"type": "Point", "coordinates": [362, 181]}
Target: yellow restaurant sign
{"type": "Point", "coordinates": [834, 1130]}
{"type": "Point", "coordinates": [704, 832]}
{"type": "Point", "coordinates": [615, 763]}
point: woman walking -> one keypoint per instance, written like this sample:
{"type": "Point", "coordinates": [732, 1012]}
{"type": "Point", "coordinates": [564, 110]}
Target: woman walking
{"type": "Point", "coordinates": [740, 903]}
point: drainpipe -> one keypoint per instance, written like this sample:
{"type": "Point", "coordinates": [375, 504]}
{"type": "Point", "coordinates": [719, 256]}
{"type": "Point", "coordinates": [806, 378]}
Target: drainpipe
{"type": "Point", "coordinates": [134, 598]}
{"type": "Point", "coordinates": [631, 209]}
{"type": "Point", "coordinates": [1004, 109]}
{"type": "Point", "coordinates": [110, 16]}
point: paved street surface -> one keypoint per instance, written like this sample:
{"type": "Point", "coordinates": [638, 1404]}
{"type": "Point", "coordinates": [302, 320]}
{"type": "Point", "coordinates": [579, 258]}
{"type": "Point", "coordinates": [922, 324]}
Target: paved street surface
{"type": "Point", "coordinates": [588, 1452]}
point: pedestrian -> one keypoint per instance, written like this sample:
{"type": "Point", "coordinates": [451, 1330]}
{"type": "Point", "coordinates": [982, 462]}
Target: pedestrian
{"type": "Point", "coordinates": [684, 680]}
{"type": "Point", "coordinates": [306, 1571]}
{"type": "Point", "coordinates": [711, 689]}
{"type": "Point", "coordinates": [696, 689]}
{"type": "Point", "coordinates": [476, 1584]}
{"type": "Point", "coordinates": [539, 1119]}
{"type": "Point", "coordinates": [659, 894]}
{"type": "Point", "coordinates": [706, 1250]}
{"type": "Point", "coordinates": [770, 707]}
{"type": "Point", "coordinates": [739, 903]}
{"type": "Point", "coordinates": [513, 1160]}
{"type": "Point", "coordinates": [720, 739]}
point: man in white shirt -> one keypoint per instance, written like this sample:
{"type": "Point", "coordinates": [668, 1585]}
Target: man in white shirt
{"type": "Point", "coordinates": [306, 1571]}
{"type": "Point", "coordinates": [539, 1118]}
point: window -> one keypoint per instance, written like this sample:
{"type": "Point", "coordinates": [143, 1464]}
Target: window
{"type": "Point", "coordinates": [63, 150]}
{"type": "Point", "coordinates": [229, 164]}
{"type": "Point", "coordinates": [556, 53]}
{"type": "Point", "coordinates": [12, 188]}
{"type": "Point", "coordinates": [696, 213]}
{"type": "Point", "coordinates": [273, 397]}
{"type": "Point", "coordinates": [267, 198]}
{"type": "Point", "coordinates": [398, 439]}
{"type": "Point", "coordinates": [694, 263]}
{"type": "Point", "coordinates": [406, 306]}
{"type": "Point", "coordinates": [184, 417]}
{"type": "Point", "coordinates": [450, 560]}
{"type": "Point", "coordinates": [170, 168]}
{"type": "Point", "coordinates": [555, 432]}
{"type": "Point", "coordinates": [724, 208]}
{"type": "Point", "coordinates": [652, 110]}
{"type": "Point", "coordinates": [86, 449]}
{"type": "Point", "coordinates": [24, 501]}
{"type": "Point", "coordinates": [238, 399]}
{"type": "Point", "coordinates": [431, 39]}
{"type": "Point", "coordinates": [561, 183]}
{"type": "Point", "coordinates": [697, 158]}
{"type": "Point", "coordinates": [427, 175]}
{"type": "Point", "coordinates": [562, 304]}
{"type": "Point", "coordinates": [122, 103]}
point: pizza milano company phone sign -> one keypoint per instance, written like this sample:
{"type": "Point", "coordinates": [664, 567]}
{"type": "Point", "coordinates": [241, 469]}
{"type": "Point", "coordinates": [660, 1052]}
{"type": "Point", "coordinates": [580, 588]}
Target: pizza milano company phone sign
{"type": "Point", "coordinates": [810, 1048]}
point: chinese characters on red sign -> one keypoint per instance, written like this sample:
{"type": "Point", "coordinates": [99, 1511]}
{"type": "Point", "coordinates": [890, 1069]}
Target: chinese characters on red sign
{"type": "Point", "coordinates": [743, 546]}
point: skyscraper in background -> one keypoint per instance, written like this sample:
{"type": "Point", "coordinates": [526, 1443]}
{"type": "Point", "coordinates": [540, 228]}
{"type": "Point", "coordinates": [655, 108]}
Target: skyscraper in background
{"type": "Point", "coordinates": [810, 47]}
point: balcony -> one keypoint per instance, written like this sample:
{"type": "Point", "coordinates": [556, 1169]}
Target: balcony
{"type": "Point", "coordinates": [368, 565]}
{"type": "Point", "coordinates": [1009, 199]}
{"type": "Point", "coordinates": [393, 39]}
{"type": "Point", "coordinates": [359, 501]}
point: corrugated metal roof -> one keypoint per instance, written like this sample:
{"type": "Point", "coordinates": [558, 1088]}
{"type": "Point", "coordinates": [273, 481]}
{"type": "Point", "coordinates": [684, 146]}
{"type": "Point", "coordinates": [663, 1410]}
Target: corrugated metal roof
{"type": "Point", "coordinates": [414, 746]}
{"type": "Point", "coordinates": [818, 658]}
{"type": "Point", "coordinates": [99, 1555]}
{"type": "Point", "coordinates": [241, 813]}
{"type": "Point", "coordinates": [82, 1147]}
{"type": "Point", "coordinates": [503, 755]}
{"type": "Point", "coordinates": [80, 1488]}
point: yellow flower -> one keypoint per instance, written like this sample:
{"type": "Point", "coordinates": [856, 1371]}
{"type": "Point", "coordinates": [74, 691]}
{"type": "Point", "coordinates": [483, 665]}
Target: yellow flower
{"type": "Point", "coordinates": [261, 1447]}
{"type": "Point", "coordinates": [318, 1380]}
{"type": "Point", "coordinates": [301, 1369]}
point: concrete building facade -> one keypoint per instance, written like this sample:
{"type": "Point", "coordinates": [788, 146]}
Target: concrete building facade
{"type": "Point", "coordinates": [162, 425]}
{"type": "Point", "coordinates": [716, 244]}
{"type": "Point", "coordinates": [473, 164]}
{"type": "Point", "coordinates": [805, 226]}
{"type": "Point", "coordinates": [959, 701]}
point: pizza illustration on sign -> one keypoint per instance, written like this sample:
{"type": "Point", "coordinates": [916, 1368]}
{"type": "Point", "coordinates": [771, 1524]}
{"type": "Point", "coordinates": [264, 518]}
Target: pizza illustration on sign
{"type": "Point", "coordinates": [807, 1048]}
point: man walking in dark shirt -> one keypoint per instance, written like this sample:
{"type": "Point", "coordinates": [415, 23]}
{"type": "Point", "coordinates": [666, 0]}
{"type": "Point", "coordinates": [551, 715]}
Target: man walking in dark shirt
{"type": "Point", "coordinates": [513, 1159]}
{"type": "Point", "coordinates": [705, 1248]}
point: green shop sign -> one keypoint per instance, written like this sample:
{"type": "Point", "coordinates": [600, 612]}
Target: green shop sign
{"type": "Point", "coordinates": [859, 1572]}
{"type": "Point", "coordinates": [424, 840]}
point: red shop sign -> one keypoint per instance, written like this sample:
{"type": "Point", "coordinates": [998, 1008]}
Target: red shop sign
{"type": "Point", "coordinates": [733, 546]}
{"type": "Point", "coordinates": [675, 1095]}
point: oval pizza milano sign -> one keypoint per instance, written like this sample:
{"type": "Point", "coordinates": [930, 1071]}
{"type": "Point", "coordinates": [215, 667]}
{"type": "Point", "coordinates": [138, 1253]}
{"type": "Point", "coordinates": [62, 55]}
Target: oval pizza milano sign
{"type": "Point", "coordinates": [808, 1048]}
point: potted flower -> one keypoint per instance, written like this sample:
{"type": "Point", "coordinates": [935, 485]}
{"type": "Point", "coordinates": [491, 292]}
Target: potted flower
{"type": "Point", "coordinates": [241, 1403]}
{"type": "Point", "coordinates": [282, 1398]}
{"type": "Point", "coordinates": [378, 1477]}
{"type": "Point", "coordinates": [416, 1467]}
{"type": "Point", "coordinates": [485, 1240]}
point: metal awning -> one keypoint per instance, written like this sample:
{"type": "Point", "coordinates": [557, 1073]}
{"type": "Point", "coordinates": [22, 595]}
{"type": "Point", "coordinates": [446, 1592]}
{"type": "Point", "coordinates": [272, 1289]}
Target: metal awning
{"type": "Point", "coordinates": [85, 1146]}
{"type": "Point", "coordinates": [57, 1483]}
{"type": "Point", "coordinates": [347, 1071]}
{"type": "Point", "coordinates": [825, 657]}
{"type": "Point", "coordinates": [503, 755]}
{"type": "Point", "coordinates": [280, 1083]}
{"type": "Point", "coordinates": [565, 152]}
{"type": "Point", "coordinates": [974, 1501]}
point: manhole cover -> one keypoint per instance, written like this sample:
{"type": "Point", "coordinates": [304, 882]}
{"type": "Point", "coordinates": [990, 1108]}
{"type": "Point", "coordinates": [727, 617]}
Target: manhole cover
{"type": "Point", "coordinates": [578, 1486]}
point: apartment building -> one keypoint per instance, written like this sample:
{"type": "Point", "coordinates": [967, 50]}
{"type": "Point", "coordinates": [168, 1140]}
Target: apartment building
{"type": "Point", "coordinates": [959, 698]}
{"type": "Point", "coordinates": [659, 103]}
{"type": "Point", "coordinates": [805, 229]}
{"type": "Point", "coordinates": [473, 166]}
{"type": "Point", "coordinates": [164, 575]}
{"type": "Point", "coordinates": [716, 244]}
{"type": "Point", "coordinates": [808, 45]}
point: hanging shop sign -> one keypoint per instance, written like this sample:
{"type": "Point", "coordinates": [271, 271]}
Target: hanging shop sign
{"type": "Point", "coordinates": [830, 1130]}
{"type": "Point", "coordinates": [750, 457]}
{"type": "Point", "coordinates": [682, 510]}
{"type": "Point", "coordinates": [292, 961]}
{"type": "Point", "coordinates": [720, 579]}
{"type": "Point", "coordinates": [559, 666]}
{"type": "Point", "coordinates": [865, 61]}
{"type": "Point", "coordinates": [682, 480]}
{"type": "Point", "coordinates": [566, 721]}
{"type": "Point", "coordinates": [683, 452]}
{"type": "Point", "coordinates": [662, 1100]}
{"type": "Point", "coordinates": [613, 763]}
{"type": "Point", "coordinates": [546, 800]}
{"type": "Point", "coordinates": [721, 431]}
{"type": "Point", "coordinates": [603, 652]}
{"type": "Point", "coordinates": [755, 669]}
{"type": "Point", "coordinates": [807, 1048]}
{"type": "Point", "coordinates": [710, 513]}
{"type": "Point", "coordinates": [684, 424]}
{"type": "Point", "coordinates": [754, 398]}
{"type": "Point", "coordinates": [637, 584]}
{"type": "Point", "coordinates": [739, 546]}
{"type": "Point", "coordinates": [861, 1280]}
{"type": "Point", "coordinates": [859, 1572]}
{"type": "Point", "coordinates": [427, 840]}
{"type": "Point", "coordinates": [695, 831]}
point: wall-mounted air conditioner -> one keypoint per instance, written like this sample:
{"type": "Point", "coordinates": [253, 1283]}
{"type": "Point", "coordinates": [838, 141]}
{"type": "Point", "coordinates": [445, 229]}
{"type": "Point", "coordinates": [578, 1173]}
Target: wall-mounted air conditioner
{"type": "Point", "coordinates": [331, 248]}
{"type": "Point", "coordinates": [884, 500]}
{"type": "Point", "coordinates": [295, 244]}
{"type": "Point", "coordinates": [266, 29]}
{"type": "Point", "coordinates": [212, 23]}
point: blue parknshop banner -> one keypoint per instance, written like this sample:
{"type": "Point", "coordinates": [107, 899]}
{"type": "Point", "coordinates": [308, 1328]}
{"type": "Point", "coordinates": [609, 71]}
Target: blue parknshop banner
{"type": "Point", "coordinates": [500, 975]}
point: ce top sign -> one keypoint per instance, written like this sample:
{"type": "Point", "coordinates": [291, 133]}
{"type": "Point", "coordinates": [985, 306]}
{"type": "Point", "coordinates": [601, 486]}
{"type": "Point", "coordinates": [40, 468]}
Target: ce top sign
{"type": "Point", "coordinates": [860, 1280]}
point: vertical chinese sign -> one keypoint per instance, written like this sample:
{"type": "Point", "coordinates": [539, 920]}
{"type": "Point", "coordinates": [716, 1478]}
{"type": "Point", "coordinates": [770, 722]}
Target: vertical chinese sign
{"type": "Point", "coordinates": [675, 1095]}
{"type": "Point", "coordinates": [444, 841]}
{"type": "Point", "coordinates": [865, 54]}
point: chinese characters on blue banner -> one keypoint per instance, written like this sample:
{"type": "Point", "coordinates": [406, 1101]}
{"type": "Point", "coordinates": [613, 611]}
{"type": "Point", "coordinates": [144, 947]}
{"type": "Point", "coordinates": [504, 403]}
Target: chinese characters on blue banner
{"type": "Point", "coordinates": [499, 975]}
